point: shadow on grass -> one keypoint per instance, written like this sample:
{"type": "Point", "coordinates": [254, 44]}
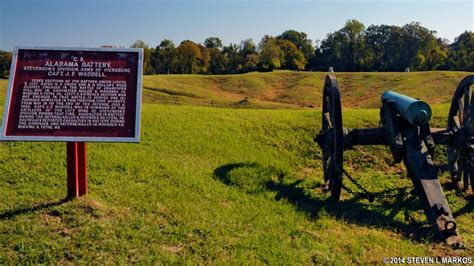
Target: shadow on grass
{"type": "Point", "coordinates": [380, 214]}
{"type": "Point", "coordinates": [466, 209]}
{"type": "Point", "coordinates": [222, 172]}
{"type": "Point", "coordinates": [13, 213]}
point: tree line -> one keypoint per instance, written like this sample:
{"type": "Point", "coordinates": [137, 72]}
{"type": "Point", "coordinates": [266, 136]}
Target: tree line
{"type": "Point", "coordinates": [354, 47]}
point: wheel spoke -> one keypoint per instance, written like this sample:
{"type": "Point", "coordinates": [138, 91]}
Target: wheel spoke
{"type": "Point", "coordinates": [453, 162]}
{"type": "Point", "coordinates": [460, 115]}
{"type": "Point", "coordinates": [462, 174]}
{"type": "Point", "coordinates": [471, 176]}
{"type": "Point", "coordinates": [328, 119]}
{"type": "Point", "coordinates": [325, 104]}
{"type": "Point", "coordinates": [468, 93]}
{"type": "Point", "coordinates": [469, 171]}
{"type": "Point", "coordinates": [456, 121]}
{"type": "Point", "coordinates": [466, 105]}
{"type": "Point", "coordinates": [470, 112]}
{"type": "Point", "coordinates": [453, 154]}
{"type": "Point", "coordinates": [326, 162]}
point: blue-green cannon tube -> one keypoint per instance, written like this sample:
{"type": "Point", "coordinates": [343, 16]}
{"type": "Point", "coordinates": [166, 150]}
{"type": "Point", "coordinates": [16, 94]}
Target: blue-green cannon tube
{"type": "Point", "coordinates": [416, 112]}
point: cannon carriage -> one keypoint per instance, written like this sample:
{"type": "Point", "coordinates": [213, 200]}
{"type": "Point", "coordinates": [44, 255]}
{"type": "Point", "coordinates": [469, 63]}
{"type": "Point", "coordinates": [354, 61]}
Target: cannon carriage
{"type": "Point", "coordinates": [404, 127]}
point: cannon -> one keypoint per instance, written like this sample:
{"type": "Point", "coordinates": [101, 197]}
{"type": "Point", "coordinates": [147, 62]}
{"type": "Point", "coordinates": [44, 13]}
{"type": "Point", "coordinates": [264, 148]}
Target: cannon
{"type": "Point", "coordinates": [404, 127]}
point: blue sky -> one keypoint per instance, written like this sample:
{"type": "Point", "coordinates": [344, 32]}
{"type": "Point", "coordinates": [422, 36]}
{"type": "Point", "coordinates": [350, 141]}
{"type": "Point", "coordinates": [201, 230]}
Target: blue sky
{"type": "Point", "coordinates": [89, 23]}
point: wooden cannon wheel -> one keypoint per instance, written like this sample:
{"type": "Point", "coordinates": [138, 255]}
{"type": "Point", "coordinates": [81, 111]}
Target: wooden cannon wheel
{"type": "Point", "coordinates": [461, 122]}
{"type": "Point", "coordinates": [331, 137]}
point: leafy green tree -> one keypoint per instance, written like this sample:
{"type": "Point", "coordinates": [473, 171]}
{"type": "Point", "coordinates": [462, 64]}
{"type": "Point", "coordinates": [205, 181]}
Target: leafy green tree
{"type": "Point", "coordinates": [344, 49]}
{"type": "Point", "coordinates": [417, 43]}
{"type": "Point", "coordinates": [204, 61]}
{"type": "Point", "coordinates": [248, 56]}
{"type": "Point", "coordinates": [383, 45]}
{"type": "Point", "coordinates": [293, 58]}
{"type": "Point", "coordinates": [5, 62]}
{"type": "Point", "coordinates": [250, 62]}
{"type": "Point", "coordinates": [329, 53]}
{"type": "Point", "coordinates": [271, 55]}
{"type": "Point", "coordinates": [231, 52]}
{"type": "Point", "coordinates": [302, 42]}
{"type": "Point", "coordinates": [147, 52]}
{"type": "Point", "coordinates": [213, 42]}
{"type": "Point", "coordinates": [436, 56]}
{"type": "Point", "coordinates": [461, 52]}
{"type": "Point", "coordinates": [354, 32]}
{"type": "Point", "coordinates": [217, 59]}
{"type": "Point", "coordinates": [163, 59]}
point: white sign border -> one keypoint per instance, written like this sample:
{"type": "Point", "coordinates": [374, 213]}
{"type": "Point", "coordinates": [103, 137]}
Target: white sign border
{"type": "Point", "coordinates": [138, 107]}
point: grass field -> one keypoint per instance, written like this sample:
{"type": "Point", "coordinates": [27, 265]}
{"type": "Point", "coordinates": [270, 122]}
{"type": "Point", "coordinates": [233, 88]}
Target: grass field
{"type": "Point", "coordinates": [210, 185]}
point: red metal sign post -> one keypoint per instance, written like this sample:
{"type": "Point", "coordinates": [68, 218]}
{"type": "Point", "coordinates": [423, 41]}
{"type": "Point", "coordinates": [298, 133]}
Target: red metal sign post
{"type": "Point", "coordinates": [76, 169]}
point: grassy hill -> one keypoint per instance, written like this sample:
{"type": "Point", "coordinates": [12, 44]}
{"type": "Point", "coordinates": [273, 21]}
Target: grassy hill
{"type": "Point", "coordinates": [212, 185]}
{"type": "Point", "coordinates": [286, 89]}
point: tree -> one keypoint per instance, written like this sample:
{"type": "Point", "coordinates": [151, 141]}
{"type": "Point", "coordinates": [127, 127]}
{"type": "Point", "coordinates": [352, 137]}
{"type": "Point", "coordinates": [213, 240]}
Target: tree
{"type": "Point", "coordinates": [248, 55]}
{"type": "Point", "coordinates": [5, 62]}
{"type": "Point", "coordinates": [436, 56]}
{"type": "Point", "coordinates": [461, 52]}
{"type": "Point", "coordinates": [218, 61]}
{"type": "Point", "coordinates": [354, 32]}
{"type": "Point", "coordinates": [271, 56]}
{"type": "Point", "coordinates": [213, 42]}
{"type": "Point", "coordinates": [188, 56]}
{"type": "Point", "coordinates": [344, 49]}
{"type": "Point", "coordinates": [384, 44]}
{"type": "Point", "coordinates": [300, 39]}
{"type": "Point", "coordinates": [250, 62]}
{"type": "Point", "coordinates": [421, 50]}
{"type": "Point", "coordinates": [163, 59]}
{"type": "Point", "coordinates": [231, 52]}
{"type": "Point", "coordinates": [293, 58]}
{"type": "Point", "coordinates": [204, 61]}
{"type": "Point", "coordinates": [147, 52]}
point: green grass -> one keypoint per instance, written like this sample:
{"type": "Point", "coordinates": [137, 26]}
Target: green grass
{"type": "Point", "coordinates": [210, 185]}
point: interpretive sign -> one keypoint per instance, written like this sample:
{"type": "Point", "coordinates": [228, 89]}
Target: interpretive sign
{"type": "Point", "coordinates": [74, 94]}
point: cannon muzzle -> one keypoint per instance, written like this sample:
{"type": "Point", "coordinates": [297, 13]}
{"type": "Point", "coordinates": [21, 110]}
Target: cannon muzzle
{"type": "Point", "coordinates": [414, 111]}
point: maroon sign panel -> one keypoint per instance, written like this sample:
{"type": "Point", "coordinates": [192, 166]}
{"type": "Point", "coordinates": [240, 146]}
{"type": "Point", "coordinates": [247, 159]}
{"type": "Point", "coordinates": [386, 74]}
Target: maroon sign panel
{"type": "Point", "coordinates": [74, 94]}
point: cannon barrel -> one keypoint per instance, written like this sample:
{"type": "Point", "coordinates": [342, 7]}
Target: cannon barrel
{"type": "Point", "coordinates": [414, 111]}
